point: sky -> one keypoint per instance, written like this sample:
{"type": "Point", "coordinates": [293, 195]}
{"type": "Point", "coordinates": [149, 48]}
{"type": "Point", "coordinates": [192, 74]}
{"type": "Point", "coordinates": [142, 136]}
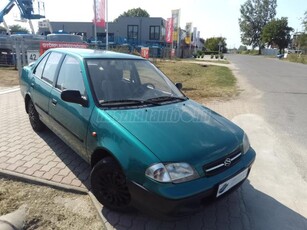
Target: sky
{"type": "Point", "coordinates": [212, 18]}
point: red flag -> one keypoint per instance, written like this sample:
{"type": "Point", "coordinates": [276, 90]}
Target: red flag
{"type": "Point", "coordinates": [169, 30]}
{"type": "Point", "coordinates": [99, 12]}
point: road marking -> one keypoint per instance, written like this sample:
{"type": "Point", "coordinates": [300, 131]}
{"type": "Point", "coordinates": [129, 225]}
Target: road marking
{"type": "Point", "coordinates": [10, 90]}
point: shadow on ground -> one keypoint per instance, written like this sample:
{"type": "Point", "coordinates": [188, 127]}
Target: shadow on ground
{"type": "Point", "coordinates": [247, 208]}
{"type": "Point", "coordinates": [79, 167]}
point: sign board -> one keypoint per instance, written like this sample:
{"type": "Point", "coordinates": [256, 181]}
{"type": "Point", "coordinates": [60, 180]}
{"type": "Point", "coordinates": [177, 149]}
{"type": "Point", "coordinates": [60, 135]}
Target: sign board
{"type": "Point", "coordinates": [48, 45]}
{"type": "Point", "coordinates": [145, 52]}
{"type": "Point", "coordinates": [32, 55]}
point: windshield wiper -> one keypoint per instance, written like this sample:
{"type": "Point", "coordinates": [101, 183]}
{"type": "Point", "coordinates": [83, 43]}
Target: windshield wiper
{"type": "Point", "coordinates": [126, 102]}
{"type": "Point", "coordinates": [165, 98]}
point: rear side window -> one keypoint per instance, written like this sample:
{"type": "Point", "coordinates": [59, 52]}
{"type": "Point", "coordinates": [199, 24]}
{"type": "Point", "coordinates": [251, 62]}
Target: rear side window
{"type": "Point", "coordinates": [70, 76]}
{"type": "Point", "coordinates": [40, 68]}
{"type": "Point", "coordinates": [51, 67]}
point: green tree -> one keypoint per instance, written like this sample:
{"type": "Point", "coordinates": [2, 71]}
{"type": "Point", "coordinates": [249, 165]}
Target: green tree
{"type": "Point", "coordinates": [277, 32]}
{"type": "Point", "coordinates": [212, 44]}
{"type": "Point", "coordinates": [135, 12]}
{"type": "Point", "coordinates": [255, 14]}
{"type": "Point", "coordinates": [2, 30]}
{"type": "Point", "coordinates": [17, 28]}
{"type": "Point", "coordinates": [304, 22]}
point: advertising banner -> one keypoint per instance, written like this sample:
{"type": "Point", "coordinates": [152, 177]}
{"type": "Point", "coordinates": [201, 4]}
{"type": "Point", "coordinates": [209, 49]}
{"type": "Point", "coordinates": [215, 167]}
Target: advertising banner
{"type": "Point", "coordinates": [194, 36]}
{"type": "Point", "coordinates": [169, 30]}
{"type": "Point", "coordinates": [188, 29]}
{"type": "Point", "coordinates": [145, 52]}
{"type": "Point", "coordinates": [99, 11]}
{"type": "Point", "coordinates": [176, 23]}
{"type": "Point", "coordinates": [48, 45]}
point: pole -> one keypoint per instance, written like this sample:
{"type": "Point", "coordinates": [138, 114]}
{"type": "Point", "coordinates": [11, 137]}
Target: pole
{"type": "Point", "coordinates": [107, 26]}
{"type": "Point", "coordinates": [95, 27]}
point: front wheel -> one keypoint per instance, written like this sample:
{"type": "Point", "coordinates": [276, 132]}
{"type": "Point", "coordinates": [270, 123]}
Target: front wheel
{"type": "Point", "coordinates": [35, 122]}
{"type": "Point", "coordinates": [109, 185]}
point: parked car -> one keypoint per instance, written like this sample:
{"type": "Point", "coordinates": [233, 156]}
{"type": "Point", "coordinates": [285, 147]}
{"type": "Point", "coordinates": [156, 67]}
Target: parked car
{"type": "Point", "coordinates": [149, 145]}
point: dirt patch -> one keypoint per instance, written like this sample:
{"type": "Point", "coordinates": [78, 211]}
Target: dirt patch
{"type": "Point", "coordinates": [8, 77]}
{"type": "Point", "coordinates": [48, 208]}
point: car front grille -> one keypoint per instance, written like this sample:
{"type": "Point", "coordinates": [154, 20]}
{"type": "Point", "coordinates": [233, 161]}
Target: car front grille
{"type": "Point", "coordinates": [223, 163]}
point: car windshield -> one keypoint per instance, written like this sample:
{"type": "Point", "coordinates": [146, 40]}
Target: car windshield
{"type": "Point", "coordinates": [118, 82]}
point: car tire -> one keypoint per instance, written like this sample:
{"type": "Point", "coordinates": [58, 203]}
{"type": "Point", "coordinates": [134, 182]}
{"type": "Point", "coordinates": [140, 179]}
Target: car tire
{"type": "Point", "coordinates": [108, 184]}
{"type": "Point", "coordinates": [35, 122]}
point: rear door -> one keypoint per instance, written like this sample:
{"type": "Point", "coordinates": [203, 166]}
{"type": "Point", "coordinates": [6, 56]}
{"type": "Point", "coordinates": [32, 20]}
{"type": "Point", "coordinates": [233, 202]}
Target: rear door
{"type": "Point", "coordinates": [42, 83]}
{"type": "Point", "coordinates": [70, 120]}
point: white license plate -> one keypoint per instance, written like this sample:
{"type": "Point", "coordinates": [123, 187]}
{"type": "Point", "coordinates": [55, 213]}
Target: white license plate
{"type": "Point", "coordinates": [224, 187]}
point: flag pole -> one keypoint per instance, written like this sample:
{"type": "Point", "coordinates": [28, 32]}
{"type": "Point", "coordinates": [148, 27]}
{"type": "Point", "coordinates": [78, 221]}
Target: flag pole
{"type": "Point", "coordinates": [107, 27]}
{"type": "Point", "coordinates": [95, 27]}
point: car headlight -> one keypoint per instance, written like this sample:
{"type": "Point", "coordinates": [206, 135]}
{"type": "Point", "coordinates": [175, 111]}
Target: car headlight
{"type": "Point", "coordinates": [245, 144]}
{"type": "Point", "coordinates": [171, 172]}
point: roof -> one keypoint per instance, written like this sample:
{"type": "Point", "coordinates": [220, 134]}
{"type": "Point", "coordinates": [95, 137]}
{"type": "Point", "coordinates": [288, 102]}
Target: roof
{"type": "Point", "coordinates": [90, 53]}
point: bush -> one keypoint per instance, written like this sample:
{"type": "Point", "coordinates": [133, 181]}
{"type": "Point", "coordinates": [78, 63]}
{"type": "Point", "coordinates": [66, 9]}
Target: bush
{"type": "Point", "coordinates": [212, 56]}
{"type": "Point", "coordinates": [222, 56]}
{"type": "Point", "coordinates": [216, 56]}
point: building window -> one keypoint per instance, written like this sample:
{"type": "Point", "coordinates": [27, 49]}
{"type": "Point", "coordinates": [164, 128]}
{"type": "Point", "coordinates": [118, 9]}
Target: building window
{"type": "Point", "coordinates": [154, 32]}
{"type": "Point", "coordinates": [133, 32]}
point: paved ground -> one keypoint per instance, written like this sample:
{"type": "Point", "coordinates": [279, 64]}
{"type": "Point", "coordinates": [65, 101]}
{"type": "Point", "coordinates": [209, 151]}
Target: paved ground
{"type": "Point", "coordinates": [258, 204]}
{"type": "Point", "coordinates": [40, 156]}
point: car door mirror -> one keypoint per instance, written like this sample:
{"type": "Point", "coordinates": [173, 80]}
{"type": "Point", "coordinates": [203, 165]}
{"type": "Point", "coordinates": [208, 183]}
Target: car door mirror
{"type": "Point", "coordinates": [73, 96]}
{"type": "Point", "coordinates": [178, 85]}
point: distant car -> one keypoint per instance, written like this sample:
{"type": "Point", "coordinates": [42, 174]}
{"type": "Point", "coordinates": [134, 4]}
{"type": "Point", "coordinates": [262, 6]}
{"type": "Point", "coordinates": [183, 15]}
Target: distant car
{"type": "Point", "coordinates": [149, 145]}
{"type": "Point", "coordinates": [64, 38]}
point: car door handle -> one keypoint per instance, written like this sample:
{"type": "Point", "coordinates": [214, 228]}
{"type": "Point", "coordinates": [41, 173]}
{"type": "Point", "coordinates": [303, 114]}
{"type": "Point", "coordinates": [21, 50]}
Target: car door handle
{"type": "Point", "coordinates": [54, 102]}
{"type": "Point", "coordinates": [32, 84]}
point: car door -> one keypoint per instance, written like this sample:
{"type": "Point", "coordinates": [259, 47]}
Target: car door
{"type": "Point", "coordinates": [70, 119]}
{"type": "Point", "coordinates": [42, 83]}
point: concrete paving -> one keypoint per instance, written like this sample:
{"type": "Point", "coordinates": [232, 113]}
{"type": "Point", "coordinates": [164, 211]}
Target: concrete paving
{"type": "Point", "coordinates": [258, 204]}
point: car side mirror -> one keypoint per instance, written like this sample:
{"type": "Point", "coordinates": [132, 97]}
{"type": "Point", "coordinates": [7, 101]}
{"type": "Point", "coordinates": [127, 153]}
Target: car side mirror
{"type": "Point", "coordinates": [178, 85]}
{"type": "Point", "coordinates": [73, 96]}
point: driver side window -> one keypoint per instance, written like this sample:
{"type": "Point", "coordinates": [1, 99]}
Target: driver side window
{"type": "Point", "coordinates": [70, 76]}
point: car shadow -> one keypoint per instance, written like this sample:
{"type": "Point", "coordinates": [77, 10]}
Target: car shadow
{"type": "Point", "coordinates": [246, 208]}
{"type": "Point", "coordinates": [75, 164]}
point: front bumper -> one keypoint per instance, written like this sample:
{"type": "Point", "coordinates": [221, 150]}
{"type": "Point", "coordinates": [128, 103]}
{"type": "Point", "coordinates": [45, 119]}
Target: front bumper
{"type": "Point", "coordinates": [166, 206]}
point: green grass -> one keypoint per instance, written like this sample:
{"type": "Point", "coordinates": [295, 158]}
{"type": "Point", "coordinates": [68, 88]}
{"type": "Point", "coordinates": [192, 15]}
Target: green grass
{"type": "Point", "coordinates": [224, 61]}
{"type": "Point", "coordinates": [296, 58]}
{"type": "Point", "coordinates": [201, 81]}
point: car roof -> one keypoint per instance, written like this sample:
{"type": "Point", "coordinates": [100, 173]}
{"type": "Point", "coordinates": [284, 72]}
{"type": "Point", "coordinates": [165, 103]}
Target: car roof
{"type": "Point", "coordinates": [91, 53]}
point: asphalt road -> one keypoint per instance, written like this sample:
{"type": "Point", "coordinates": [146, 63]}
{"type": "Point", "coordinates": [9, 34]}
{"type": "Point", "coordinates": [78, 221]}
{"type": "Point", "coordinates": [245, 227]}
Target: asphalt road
{"type": "Point", "coordinates": [274, 115]}
{"type": "Point", "coordinates": [283, 93]}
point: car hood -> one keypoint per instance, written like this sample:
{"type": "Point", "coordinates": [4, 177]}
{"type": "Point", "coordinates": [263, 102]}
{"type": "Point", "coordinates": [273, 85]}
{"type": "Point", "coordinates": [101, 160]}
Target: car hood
{"type": "Point", "coordinates": [181, 132]}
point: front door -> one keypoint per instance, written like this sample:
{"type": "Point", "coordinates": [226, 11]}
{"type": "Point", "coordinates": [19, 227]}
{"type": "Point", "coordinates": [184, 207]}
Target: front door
{"type": "Point", "coordinates": [70, 119]}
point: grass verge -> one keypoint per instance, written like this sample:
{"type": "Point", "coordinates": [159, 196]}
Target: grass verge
{"type": "Point", "coordinates": [297, 58]}
{"type": "Point", "coordinates": [8, 77]}
{"type": "Point", "coordinates": [201, 81]}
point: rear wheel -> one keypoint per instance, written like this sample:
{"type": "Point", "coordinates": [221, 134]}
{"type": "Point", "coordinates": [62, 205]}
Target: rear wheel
{"type": "Point", "coordinates": [35, 122]}
{"type": "Point", "coordinates": [109, 185]}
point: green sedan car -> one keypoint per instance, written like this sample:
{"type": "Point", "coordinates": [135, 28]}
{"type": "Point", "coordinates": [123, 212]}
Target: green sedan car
{"type": "Point", "coordinates": [149, 146]}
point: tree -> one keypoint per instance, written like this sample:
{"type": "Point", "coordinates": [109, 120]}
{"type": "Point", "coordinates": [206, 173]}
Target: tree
{"type": "Point", "coordinates": [277, 32]}
{"type": "Point", "coordinates": [304, 22]}
{"type": "Point", "coordinates": [255, 14]}
{"type": "Point", "coordinates": [2, 30]}
{"type": "Point", "coordinates": [212, 44]}
{"type": "Point", "coordinates": [17, 28]}
{"type": "Point", "coordinates": [135, 12]}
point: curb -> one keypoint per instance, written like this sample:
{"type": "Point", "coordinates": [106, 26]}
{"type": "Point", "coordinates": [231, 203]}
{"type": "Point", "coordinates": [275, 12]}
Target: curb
{"type": "Point", "coordinates": [9, 90]}
{"type": "Point", "coordinates": [98, 207]}
{"type": "Point", "coordinates": [39, 181]}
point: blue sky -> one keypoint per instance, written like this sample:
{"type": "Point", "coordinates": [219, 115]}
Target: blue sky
{"type": "Point", "coordinates": [211, 17]}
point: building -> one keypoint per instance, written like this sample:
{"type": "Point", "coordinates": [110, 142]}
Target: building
{"type": "Point", "coordinates": [137, 31]}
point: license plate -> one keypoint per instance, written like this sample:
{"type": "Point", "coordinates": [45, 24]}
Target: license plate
{"type": "Point", "coordinates": [224, 187]}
